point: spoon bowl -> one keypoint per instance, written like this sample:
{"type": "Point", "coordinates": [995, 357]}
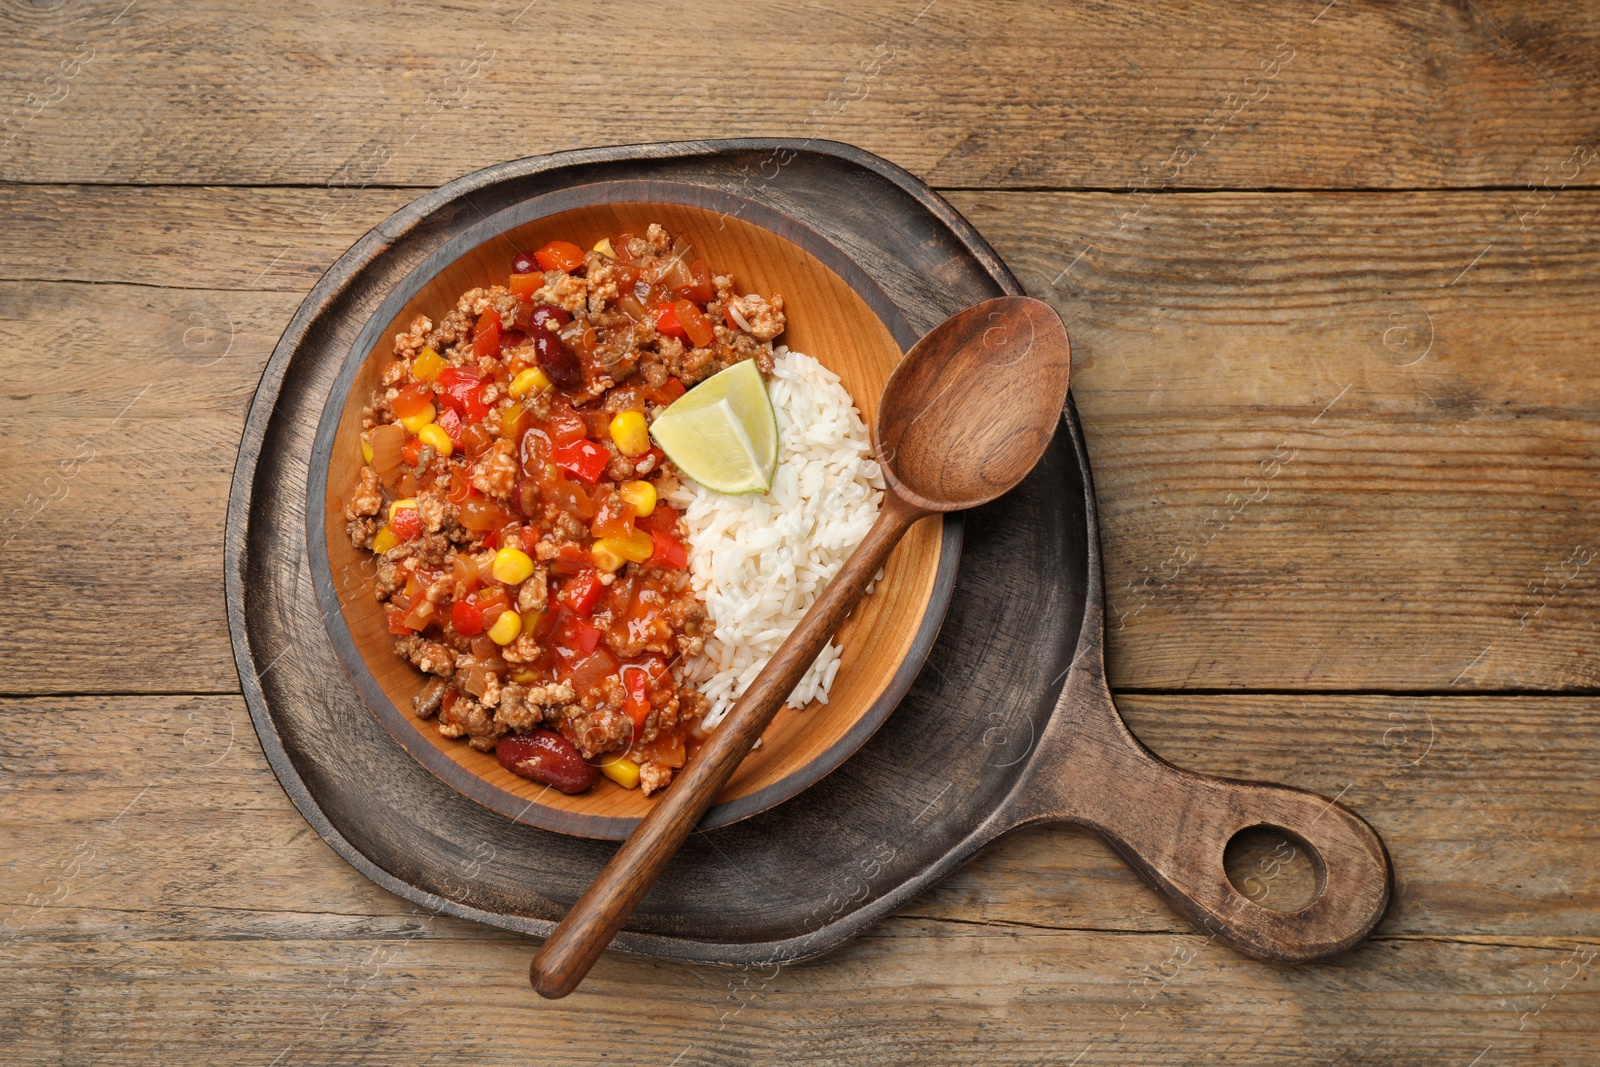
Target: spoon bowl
{"type": "Point", "coordinates": [964, 417]}
{"type": "Point", "coordinates": [970, 410]}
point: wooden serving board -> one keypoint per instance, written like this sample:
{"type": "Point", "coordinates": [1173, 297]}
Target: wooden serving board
{"type": "Point", "coordinates": [1009, 722]}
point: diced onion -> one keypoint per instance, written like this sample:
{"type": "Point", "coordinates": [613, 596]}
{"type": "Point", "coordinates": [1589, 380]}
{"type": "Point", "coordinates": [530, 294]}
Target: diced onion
{"type": "Point", "coordinates": [387, 441]}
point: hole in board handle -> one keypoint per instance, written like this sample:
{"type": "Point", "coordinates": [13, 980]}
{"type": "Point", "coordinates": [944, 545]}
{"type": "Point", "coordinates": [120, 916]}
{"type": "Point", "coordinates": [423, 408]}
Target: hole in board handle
{"type": "Point", "coordinates": [1274, 868]}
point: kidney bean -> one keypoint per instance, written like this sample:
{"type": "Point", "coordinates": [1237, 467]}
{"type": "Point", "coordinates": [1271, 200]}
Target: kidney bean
{"type": "Point", "coordinates": [545, 756]}
{"type": "Point", "coordinates": [544, 313]}
{"type": "Point", "coordinates": [559, 361]}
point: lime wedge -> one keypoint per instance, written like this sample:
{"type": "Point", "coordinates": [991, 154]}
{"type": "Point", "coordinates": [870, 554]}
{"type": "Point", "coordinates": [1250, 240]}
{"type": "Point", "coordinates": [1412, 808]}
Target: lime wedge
{"type": "Point", "coordinates": [722, 433]}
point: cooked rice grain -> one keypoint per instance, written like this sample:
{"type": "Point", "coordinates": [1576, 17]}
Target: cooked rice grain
{"type": "Point", "coordinates": [759, 561]}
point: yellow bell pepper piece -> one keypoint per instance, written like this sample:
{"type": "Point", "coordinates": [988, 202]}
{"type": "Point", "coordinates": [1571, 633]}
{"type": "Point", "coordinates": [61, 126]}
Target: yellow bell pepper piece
{"type": "Point", "coordinates": [384, 540]}
{"type": "Point", "coordinates": [427, 365]}
{"type": "Point", "coordinates": [610, 553]}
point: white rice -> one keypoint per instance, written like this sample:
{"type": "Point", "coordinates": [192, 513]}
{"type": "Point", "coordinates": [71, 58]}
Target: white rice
{"type": "Point", "coordinates": [759, 561]}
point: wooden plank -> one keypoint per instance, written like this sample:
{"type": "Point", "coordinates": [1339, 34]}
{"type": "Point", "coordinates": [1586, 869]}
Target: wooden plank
{"type": "Point", "coordinates": [1098, 94]}
{"type": "Point", "coordinates": [163, 820]}
{"type": "Point", "coordinates": [1338, 441]}
{"type": "Point", "coordinates": [1428, 530]}
{"type": "Point", "coordinates": [910, 992]}
{"type": "Point", "coordinates": [114, 465]}
{"type": "Point", "coordinates": [163, 903]}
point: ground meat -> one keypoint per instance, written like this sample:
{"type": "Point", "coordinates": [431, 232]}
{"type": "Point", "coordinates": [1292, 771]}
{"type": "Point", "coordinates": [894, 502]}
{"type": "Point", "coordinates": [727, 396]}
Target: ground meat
{"type": "Point", "coordinates": [564, 290]}
{"type": "Point", "coordinates": [597, 731]}
{"type": "Point", "coordinates": [523, 708]}
{"type": "Point", "coordinates": [368, 496]}
{"type": "Point", "coordinates": [433, 510]}
{"type": "Point", "coordinates": [534, 594]}
{"type": "Point", "coordinates": [496, 473]}
{"type": "Point", "coordinates": [764, 318]}
{"type": "Point", "coordinates": [412, 341]}
{"type": "Point", "coordinates": [653, 776]}
{"type": "Point", "coordinates": [428, 656]}
{"type": "Point", "coordinates": [362, 531]}
{"type": "Point", "coordinates": [430, 549]}
{"type": "Point", "coordinates": [524, 649]}
{"type": "Point", "coordinates": [470, 719]}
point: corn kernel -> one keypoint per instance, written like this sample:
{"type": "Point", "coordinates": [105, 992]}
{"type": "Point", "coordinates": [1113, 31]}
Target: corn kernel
{"type": "Point", "coordinates": [525, 676]}
{"type": "Point", "coordinates": [606, 556]}
{"type": "Point", "coordinates": [532, 380]}
{"type": "Point", "coordinates": [433, 436]}
{"type": "Point", "coordinates": [641, 496]}
{"type": "Point", "coordinates": [629, 432]}
{"type": "Point", "coordinates": [507, 628]}
{"type": "Point", "coordinates": [415, 423]}
{"type": "Point", "coordinates": [366, 451]}
{"type": "Point", "coordinates": [603, 246]}
{"type": "Point", "coordinates": [531, 620]}
{"type": "Point", "coordinates": [401, 505]}
{"type": "Point", "coordinates": [427, 365]}
{"type": "Point", "coordinates": [384, 540]}
{"type": "Point", "coordinates": [512, 566]}
{"type": "Point", "coordinates": [622, 770]}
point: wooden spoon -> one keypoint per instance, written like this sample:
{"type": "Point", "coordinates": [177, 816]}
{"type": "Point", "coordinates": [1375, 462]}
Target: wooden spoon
{"type": "Point", "coordinates": [964, 417]}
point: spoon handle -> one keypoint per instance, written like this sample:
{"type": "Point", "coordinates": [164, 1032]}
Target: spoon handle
{"type": "Point", "coordinates": [594, 920]}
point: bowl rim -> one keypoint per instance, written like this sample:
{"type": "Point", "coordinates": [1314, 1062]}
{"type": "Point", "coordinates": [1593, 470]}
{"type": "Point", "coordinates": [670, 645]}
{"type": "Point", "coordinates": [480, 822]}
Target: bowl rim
{"type": "Point", "coordinates": [396, 721]}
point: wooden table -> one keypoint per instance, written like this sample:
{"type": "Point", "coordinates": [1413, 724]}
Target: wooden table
{"type": "Point", "coordinates": [1332, 278]}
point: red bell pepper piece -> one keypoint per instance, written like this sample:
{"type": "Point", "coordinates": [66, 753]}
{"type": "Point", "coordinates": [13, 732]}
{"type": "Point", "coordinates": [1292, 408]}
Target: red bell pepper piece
{"type": "Point", "coordinates": [701, 290]}
{"type": "Point", "coordinates": [667, 321]}
{"type": "Point", "coordinates": [486, 335]}
{"type": "Point", "coordinates": [664, 518]}
{"type": "Point", "coordinates": [637, 683]}
{"type": "Point", "coordinates": [570, 559]}
{"type": "Point", "coordinates": [461, 391]}
{"type": "Point", "coordinates": [450, 422]}
{"type": "Point", "coordinates": [525, 285]}
{"type": "Point", "coordinates": [566, 426]}
{"type": "Point", "coordinates": [670, 392]}
{"type": "Point", "coordinates": [584, 460]}
{"type": "Point", "coordinates": [466, 618]}
{"type": "Point", "coordinates": [559, 255]}
{"type": "Point", "coordinates": [582, 592]}
{"type": "Point", "coordinates": [575, 634]}
{"type": "Point", "coordinates": [406, 524]}
{"type": "Point", "coordinates": [411, 400]}
{"type": "Point", "coordinates": [696, 327]}
{"type": "Point", "coordinates": [669, 551]}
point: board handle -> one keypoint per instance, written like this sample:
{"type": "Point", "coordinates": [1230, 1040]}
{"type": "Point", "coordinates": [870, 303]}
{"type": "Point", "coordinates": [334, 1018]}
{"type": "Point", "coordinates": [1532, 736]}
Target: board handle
{"type": "Point", "coordinates": [1173, 826]}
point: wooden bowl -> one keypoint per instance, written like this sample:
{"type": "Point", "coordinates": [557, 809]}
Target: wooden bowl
{"type": "Point", "coordinates": [831, 316]}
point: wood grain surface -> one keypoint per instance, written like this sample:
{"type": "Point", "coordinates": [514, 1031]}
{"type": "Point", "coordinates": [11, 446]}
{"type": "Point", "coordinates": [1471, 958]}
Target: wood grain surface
{"type": "Point", "coordinates": [1334, 362]}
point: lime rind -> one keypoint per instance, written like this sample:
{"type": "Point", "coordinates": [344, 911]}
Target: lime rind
{"type": "Point", "coordinates": [723, 433]}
